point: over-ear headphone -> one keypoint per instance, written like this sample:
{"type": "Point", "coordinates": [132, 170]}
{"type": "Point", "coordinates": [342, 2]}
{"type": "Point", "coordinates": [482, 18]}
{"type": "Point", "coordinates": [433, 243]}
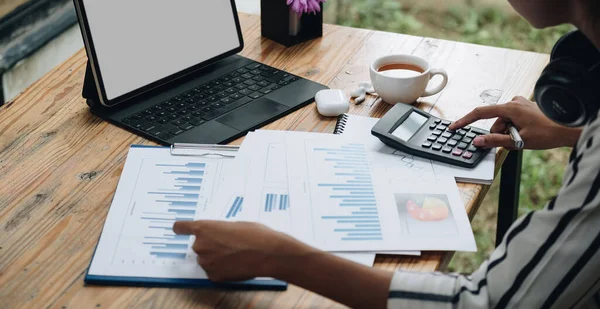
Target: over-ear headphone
{"type": "Point", "coordinates": [568, 89]}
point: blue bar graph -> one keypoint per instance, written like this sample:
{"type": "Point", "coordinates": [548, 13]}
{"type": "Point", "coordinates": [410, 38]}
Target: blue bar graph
{"type": "Point", "coordinates": [235, 208]}
{"type": "Point", "coordinates": [187, 188]}
{"type": "Point", "coordinates": [352, 190]}
{"type": "Point", "coordinates": [183, 211]}
{"type": "Point", "coordinates": [188, 165]}
{"type": "Point", "coordinates": [189, 179]}
{"type": "Point", "coordinates": [276, 202]}
{"type": "Point", "coordinates": [158, 245]}
{"type": "Point", "coordinates": [170, 237]}
{"type": "Point", "coordinates": [179, 203]}
{"type": "Point", "coordinates": [169, 255]}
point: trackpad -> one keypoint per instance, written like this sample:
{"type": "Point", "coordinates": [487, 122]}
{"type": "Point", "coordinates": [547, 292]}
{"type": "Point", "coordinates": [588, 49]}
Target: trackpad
{"type": "Point", "coordinates": [253, 114]}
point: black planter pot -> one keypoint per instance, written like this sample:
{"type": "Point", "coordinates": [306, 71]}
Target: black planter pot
{"type": "Point", "coordinates": [281, 25]}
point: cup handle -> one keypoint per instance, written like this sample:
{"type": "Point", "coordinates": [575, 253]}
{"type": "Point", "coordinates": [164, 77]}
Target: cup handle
{"type": "Point", "coordinates": [441, 86]}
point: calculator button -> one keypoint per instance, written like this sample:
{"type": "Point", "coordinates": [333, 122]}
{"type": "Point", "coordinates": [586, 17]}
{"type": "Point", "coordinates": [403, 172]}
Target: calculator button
{"type": "Point", "coordinates": [436, 147]}
{"type": "Point", "coordinates": [432, 138]}
{"type": "Point", "coordinates": [456, 137]}
{"type": "Point", "coordinates": [462, 145]}
{"type": "Point", "coordinates": [436, 132]}
{"type": "Point", "coordinates": [467, 140]}
{"type": "Point", "coordinates": [471, 135]}
{"type": "Point", "coordinates": [452, 142]}
{"type": "Point", "coordinates": [442, 127]}
{"type": "Point", "coordinates": [450, 131]}
{"type": "Point", "coordinates": [472, 148]}
{"type": "Point", "coordinates": [426, 144]}
{"type": "Point", "coordinates": [447, 149]}
{"type": "Point", "coordinates": [436, 121]}
{"type": "Point", "coordinates": [446, 122]}
{"type": "Point", "coordinates": [442, 140]}
{"type": "Point", "coordinates": [431, 127]}
{"type": "Point", "coordinates": [447, 134]}
{"type": "Point", "coordinates": [477, 131]}
{"type": "Point", "coordinates": [462, 132]}
{"type": "Point", "coordinates": [467, 155]}
{"type": "Point", "coordinates": [457, 152]}
{"type": "Point", "coordinates": [468, 128]}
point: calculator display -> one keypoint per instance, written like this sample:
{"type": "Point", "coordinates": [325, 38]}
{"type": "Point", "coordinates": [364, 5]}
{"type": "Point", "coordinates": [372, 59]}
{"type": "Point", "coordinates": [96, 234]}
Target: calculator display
{"type": "Point", "coordinates": [410, 126]}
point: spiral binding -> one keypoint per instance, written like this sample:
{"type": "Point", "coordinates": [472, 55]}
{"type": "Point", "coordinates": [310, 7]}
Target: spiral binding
{"type": "Point", "coordinates": [340, 125]}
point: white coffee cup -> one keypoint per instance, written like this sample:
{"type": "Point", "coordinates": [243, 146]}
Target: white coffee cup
{"type": "Point", "coordinates": [404, 86]}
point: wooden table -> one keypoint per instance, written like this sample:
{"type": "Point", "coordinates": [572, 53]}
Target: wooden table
{"type": "Point", "coordinates": [59, 165]}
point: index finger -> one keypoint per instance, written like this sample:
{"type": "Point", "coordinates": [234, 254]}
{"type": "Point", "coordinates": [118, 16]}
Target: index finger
{"type": "Point", "coordinates": [485, 112]}
{"type": "Point", "coordinates": [184, 227]}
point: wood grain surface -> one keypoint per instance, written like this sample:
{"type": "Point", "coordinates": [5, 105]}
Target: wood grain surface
{"type": "Point", "coordinates": [59, 165]}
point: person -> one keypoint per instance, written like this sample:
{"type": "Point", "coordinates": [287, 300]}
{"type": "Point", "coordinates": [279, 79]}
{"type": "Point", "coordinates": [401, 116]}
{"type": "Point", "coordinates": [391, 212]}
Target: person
{"type": "Point", "coordinates": [548, 258]}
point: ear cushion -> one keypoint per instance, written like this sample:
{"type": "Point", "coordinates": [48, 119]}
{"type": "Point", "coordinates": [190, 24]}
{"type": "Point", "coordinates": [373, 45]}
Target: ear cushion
{"type": "Point", "coordinates": [575, 45]}
{"type": "Point", "coordinates": [564, 71]}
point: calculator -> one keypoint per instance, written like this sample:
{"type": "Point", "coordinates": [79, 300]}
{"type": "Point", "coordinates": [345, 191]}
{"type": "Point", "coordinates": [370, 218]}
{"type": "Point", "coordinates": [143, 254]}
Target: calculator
{"type": "Point", "coordinates": [418, 133]}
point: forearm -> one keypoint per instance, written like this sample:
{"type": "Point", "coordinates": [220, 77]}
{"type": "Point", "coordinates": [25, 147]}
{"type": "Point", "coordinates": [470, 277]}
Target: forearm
{"type": "Point", "coordinates": [570, 135]}
{"type": "Point", "coordinates": [349, 283]}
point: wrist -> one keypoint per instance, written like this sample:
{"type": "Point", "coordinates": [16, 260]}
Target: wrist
{"type": "Point", "coordinates": [569, 135]}
{"type": "Point", "coordinates": [291, 259]}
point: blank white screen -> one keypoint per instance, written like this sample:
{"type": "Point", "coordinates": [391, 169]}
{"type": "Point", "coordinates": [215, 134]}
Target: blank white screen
{"type": "Point", "coordinates": [410, 126]}
{"type": "Point", "coordinates": [138, 42]}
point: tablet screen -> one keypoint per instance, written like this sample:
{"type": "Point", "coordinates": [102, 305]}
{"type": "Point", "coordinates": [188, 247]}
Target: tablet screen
{"type": "Point", "coordinates": [138, 42]}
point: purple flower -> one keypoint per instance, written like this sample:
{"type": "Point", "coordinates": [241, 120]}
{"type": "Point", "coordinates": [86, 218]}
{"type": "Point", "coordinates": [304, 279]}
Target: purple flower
{"type": "Point", "coordinates": [305, 6]}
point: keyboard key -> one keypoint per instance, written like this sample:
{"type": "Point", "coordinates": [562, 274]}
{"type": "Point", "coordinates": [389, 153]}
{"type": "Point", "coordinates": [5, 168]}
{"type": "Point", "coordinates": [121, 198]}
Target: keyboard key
{"type": "Point", "coordinates": [437, 147]}
{"type": "Point", "coordinates": [254, 88]}
{"type": "Point", "coordinates": [432, 138]}
{"type": "Point", "coordinates": [237, 80]}
{"type": "Point", "coordinates": [433, 126]}
{"type": "Point", "coordinates": [265, 91]}
{"type": "Point", "coordinates": [177, 122]}
{"type": "Point", "coordinates": [471, 135]}
{"type": "Point", "coordinates": [436, 132]}
{"type": "Point", "coordinates": [442, 127]}
{"type": "Point", "coordinates": [245, 91]}
{"type": "Point", "coordinates": [157, 131]}
{"type": "Point", "coordinates": [217, 105]}
{"type": "Point", "coordinates": [478, 132]}
{"type": "Point", "coordinates": [148, 127]}
{"type": "Point", "coordinates": [231, 90]}
{"type": "Point", "coordinates": [467, 140]}
{"type": "Point", "coordinates": [461, 132]}
{"type": "Point", "coordinates": [447, 134]}
{"type": "Point", "coordinates": [172, 129]}
{"type": "Point", "coordinates": [256, 72]}
{"type": "Point", "coordinates": [247, 76]}
{"type": "Point", "coordinates": [258, 78]}
{"type": "Point", "coordinates": [452, 142]}
{"type": "Point", "coordinates": [242, 71]}
{"type": "Point", "coordinates": [186, 126]}
{"type": "Point", "coordinates": [167, 136]}
{"type": "Point", "coordinates": [456, 137]}
{"type": "Point", "coordinates": [253, 66]}
{"type": "Point", "coordinates": [472, 148]}
{"type": "Point", "coordinates": [256, 95]}
{"type": "Point", "coordinates": [468, 128]}
{"type": "Point", "coordinates": [249, 82]}
{"type": "Point", "coordinates": [196, 121]}
{"type": "Point", "coordinates": [446, 122]}
{"type": "Point", "coordinates": [437, 121]}
{"type": "Point", "coordinates": [235, 96]}
{"type": "Point", "coordinates": [467, 155]}
{"type": "Point", "coordinates": [233, 74]}
{"type": "Point", "coordinates": [225, 101]}
{"type": "Point", "coordinates": [162, 121]}
{"type": "Point", "coordinates": [462, 146]}
{"type": "Point", "coordinates": [451, 131]}
{"type": "Point", "coordinates": [447, 149]}
{"type": "Point", "coordinates": [222, 95]}
{"type": "Point", "coordinates": [442, 140]}
{"type": "Point", "coordinates": [263, 83]}
{"type": "Point", "coordinates": [457, 152]}
{"type": "Point", "coordinates": [426, 145]}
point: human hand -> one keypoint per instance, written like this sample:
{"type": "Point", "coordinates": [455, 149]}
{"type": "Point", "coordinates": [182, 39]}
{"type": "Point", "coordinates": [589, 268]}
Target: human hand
{"type": "Point", "coordinates": [235, 251]}
{"type": "Point", "coordinates": [537, 130]}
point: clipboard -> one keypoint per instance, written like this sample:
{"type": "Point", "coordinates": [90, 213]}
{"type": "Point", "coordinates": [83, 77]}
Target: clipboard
{"type": "Point", "coordinates": [106, 266]}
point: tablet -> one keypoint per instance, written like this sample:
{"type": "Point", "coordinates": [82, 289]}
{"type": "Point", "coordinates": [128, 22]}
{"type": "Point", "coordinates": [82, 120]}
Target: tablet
{"type": "Point", "coordinates": [135, 46]}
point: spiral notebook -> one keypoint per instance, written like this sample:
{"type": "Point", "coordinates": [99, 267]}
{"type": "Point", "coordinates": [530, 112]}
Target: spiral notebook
{"type": "Point", "coordinates": [360, 127]}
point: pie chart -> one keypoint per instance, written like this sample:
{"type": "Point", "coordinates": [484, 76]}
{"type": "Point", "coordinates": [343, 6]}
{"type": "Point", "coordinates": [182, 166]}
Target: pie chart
{"type": "Point", "coordinates": [432, 209]}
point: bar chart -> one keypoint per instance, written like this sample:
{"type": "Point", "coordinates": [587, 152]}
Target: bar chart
{"type": "Point", "coordinates": [346, 198]}
{"type": "Point", "coordinates": [275, 202]}
{"type": "Point", "coordinates": [165, 192]}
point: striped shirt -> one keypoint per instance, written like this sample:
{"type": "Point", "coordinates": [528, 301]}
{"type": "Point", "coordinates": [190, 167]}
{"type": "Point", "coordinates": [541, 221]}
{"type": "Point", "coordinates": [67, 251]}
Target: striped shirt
{"type": "Point", "coordinates": [548, 259]}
